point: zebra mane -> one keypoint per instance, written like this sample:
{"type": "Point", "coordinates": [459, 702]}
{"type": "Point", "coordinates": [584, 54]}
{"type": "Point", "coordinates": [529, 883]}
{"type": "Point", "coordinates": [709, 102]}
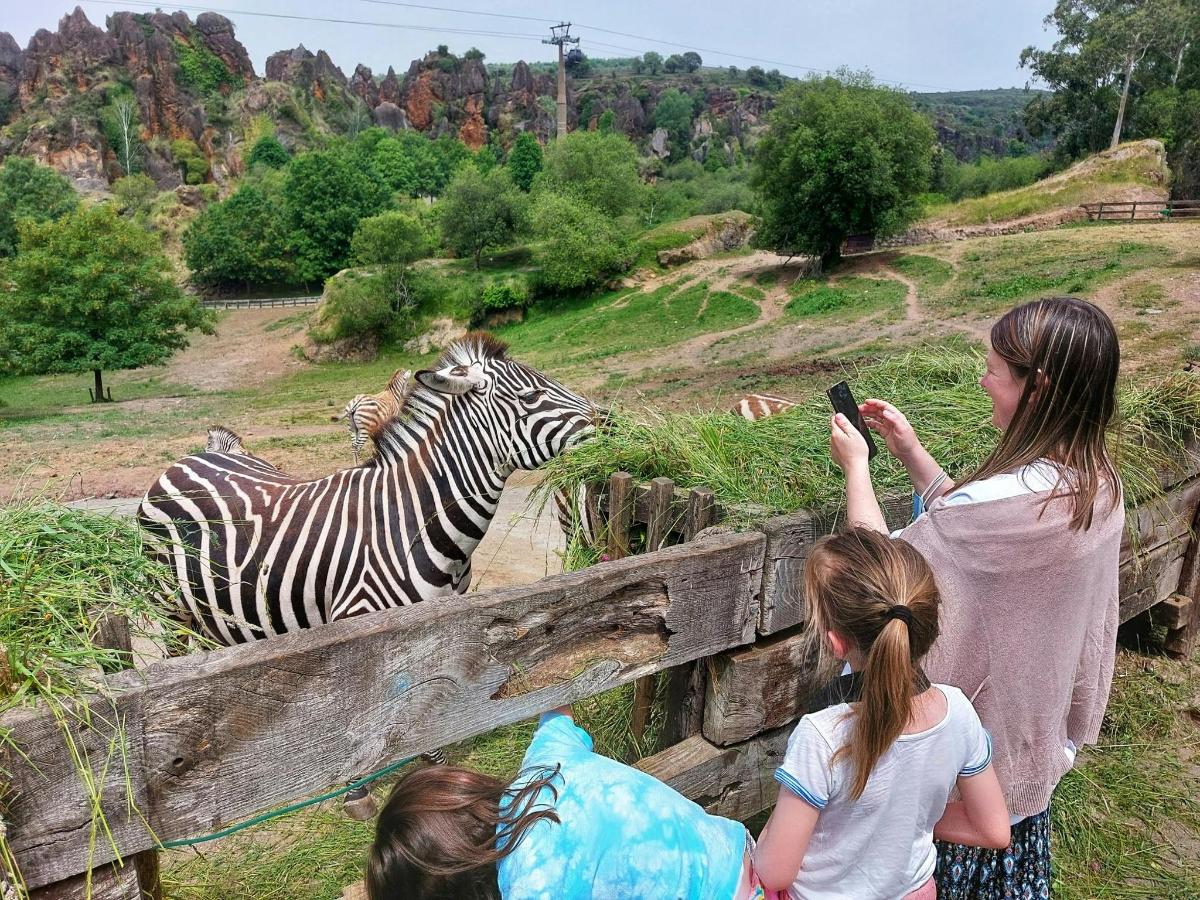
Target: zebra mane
{"type": "Point", "coordinates": [473, 347]}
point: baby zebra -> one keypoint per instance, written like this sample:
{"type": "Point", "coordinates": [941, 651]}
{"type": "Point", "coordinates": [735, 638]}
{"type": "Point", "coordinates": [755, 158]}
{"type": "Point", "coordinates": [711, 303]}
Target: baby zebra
{"type": "Point", "coordinates": [222, 440]}
{"type": "Point", "coordinates": [366, 413]}
{"type": "Point", "coordinates": [753, 407]}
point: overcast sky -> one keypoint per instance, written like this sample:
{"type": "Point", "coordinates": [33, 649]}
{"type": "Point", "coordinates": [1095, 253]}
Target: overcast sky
{"type": "Point", "coordinates": [921, 44]}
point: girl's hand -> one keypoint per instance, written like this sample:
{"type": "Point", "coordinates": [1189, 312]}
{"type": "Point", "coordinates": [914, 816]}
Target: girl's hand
{"type": "Point", "coordinates": [891, 424]}
{"type": "Point", "coordinates": [846, 445]}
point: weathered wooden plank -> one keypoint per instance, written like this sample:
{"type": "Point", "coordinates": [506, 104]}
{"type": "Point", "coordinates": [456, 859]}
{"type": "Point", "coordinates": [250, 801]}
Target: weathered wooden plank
{"type": "Point", "coordinates": [112, 881]}
{"type": "Point", "coordinates": [620, 499]}
{"type": "Point", "coordinates": [1174, 612]}
{"type": "Point", "coordinates": [788, 540]}
{"type": "Point", "coordinates": [1161, 521]}
{"type": "Point", "coordinates": [1184, 637]}
{"type": "Point", "coordinates": [737, 782]}
{"type": "Point", "coordinates": [757, 688]}
{"type": "Point", "coordinates": [658, 524]}
{"type": "Point", "coordinates": [1151, 577]}
{"type": "Point", "coordinates": [215, 737]}
{"type": "Point", "coordinates": [701, 512]}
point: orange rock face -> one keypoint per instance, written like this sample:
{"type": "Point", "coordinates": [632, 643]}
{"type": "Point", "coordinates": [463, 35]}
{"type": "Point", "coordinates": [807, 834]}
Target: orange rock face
{"type": "Point", "coordinates": [474, 131]}
{"type": "Point", "coordinates": [418, 106]}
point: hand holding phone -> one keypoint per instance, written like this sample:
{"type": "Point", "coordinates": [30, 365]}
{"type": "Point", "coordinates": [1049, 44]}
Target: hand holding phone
{"type": "Point", "coordinates": [844, 403]}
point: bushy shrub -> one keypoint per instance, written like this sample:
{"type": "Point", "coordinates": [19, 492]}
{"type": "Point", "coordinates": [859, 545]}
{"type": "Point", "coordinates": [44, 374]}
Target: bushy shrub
{"type": "Point", "coordinates": [192, 164]}
{"type": "Point", "coordinates": [356, 305]}
{"type": "Point", "coordinates": [582, 247]}
{"type": "Point", "coordinates": [269, 152]}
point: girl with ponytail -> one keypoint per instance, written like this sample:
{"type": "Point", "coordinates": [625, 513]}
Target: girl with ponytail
{"type": "Point", "coordinates": [864, 785]}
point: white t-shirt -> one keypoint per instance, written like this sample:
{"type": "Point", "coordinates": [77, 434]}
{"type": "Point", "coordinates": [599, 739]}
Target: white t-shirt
{"type": "Point", "coordinates": [880, 846]}
{"type": "Point", "coordinates": [1031, 479]}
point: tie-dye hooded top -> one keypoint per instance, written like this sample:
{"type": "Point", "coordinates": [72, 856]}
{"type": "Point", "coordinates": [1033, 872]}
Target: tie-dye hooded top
{"type": "Point", "coordinates": [622, 832]}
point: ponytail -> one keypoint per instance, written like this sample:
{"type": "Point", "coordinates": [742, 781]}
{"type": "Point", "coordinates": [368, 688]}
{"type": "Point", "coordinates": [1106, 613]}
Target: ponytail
{"type": "Point", "coordinates": [880, 594]}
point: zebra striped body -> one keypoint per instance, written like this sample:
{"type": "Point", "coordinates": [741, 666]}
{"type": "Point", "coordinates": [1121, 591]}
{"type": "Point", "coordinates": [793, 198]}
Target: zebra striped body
{"type": "Point", "coordinates": [753, 407]}
{"type": "Point", "coordinates": [259, 553]}
{"type": "Point", "coordinates": [366, 414]}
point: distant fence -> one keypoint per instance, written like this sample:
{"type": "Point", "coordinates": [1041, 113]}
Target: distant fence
{"type": "Point", "coordinates": [1143, 211]}
{"type": "Point", "coordinates": [260, 302]}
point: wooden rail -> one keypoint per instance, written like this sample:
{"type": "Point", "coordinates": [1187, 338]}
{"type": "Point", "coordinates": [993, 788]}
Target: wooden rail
{"type": "Point", "coordinates": [1143, 211]}
{"type": "Point", "coordinates": [213, 738]}
{"type": "Point", "coordinates": [259, 302]}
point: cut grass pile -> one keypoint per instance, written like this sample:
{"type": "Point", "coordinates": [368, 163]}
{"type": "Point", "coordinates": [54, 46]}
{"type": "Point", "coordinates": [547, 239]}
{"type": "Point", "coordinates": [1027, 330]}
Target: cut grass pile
{"type": "Point", "coordinates": [1134, 166]}
{"type": "Point", "coordinates": [854, 296]}
{"type": "Point", "coordinates": [782, 463]}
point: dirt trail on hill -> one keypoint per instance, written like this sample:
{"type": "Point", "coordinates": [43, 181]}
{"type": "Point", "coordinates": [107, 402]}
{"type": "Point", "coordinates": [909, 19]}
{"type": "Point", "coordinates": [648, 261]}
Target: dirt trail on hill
{"type": "Point", "coordinates": [242, 352]}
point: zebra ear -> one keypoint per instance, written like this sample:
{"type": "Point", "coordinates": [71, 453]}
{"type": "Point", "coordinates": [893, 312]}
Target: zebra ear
{"type": "Point", "coordinates": [444, 384]}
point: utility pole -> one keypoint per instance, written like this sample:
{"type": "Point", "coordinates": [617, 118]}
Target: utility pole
{"type": "Point", "coordinates": [559, 35]}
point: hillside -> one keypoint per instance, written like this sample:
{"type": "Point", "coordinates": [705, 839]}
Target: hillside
{"type": "Point", "coordinates": [976, 123]}
{"type": "Point", "coordinates": [192, 101]}
{"type": "Point", "coordinates": [1136, 170]}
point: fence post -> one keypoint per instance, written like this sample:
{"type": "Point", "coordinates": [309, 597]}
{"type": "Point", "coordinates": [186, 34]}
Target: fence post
{"type": "Point", "coordinates": [620, 514]}
{"type": "Point", "coordinates": [1133, 211]}
{"type": "Point", "coordinates": [662, 491]}
{"type": "Point", "coordinates": [687, 684]}
{"type": "Point", "coordinates": [1100, 213]}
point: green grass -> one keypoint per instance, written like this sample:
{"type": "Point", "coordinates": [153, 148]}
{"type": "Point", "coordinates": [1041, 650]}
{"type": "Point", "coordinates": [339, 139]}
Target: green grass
{"type": "Point", "coordinates": [853, 296]}
{"type": "Point", "coordinates": [1115, 815]}
{"type": "Point", "coordinates": [994, 275]}
{"type": "Point", "coordinates": [930, 274]}
{"type": "Point", "coordinates": [623, 321]}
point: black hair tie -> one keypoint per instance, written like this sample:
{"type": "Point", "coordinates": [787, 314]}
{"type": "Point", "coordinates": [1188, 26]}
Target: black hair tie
{"type": "Point", "coordinates": [899, 611]}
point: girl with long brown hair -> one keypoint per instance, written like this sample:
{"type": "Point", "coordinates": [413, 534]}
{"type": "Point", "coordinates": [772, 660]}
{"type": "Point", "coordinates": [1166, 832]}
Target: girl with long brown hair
{"type": "Point", "coordinates": [573, 825]}
{"type": "Point", "coordinates": [1025, 549]}
{"type": "Point", "coordinates": [864, 785]}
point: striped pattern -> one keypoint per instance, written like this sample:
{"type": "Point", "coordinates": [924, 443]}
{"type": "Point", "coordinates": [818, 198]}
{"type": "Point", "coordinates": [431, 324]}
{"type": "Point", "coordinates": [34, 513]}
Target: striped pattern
{"type": "Point", "coordinates": [222, 440]}
{"type": "Point", "coordinates": [753, 407]}
{"type": "Point", "coordinates": [258, 553]}
{"type": "Point", "coordinates": [366, 414]}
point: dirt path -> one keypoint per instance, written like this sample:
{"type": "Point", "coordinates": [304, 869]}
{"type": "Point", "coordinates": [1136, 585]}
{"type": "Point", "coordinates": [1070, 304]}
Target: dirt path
{"type": "Point", "coordinates": [250, 347]}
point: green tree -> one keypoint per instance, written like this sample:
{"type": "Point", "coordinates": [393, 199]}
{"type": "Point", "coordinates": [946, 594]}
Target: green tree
{"type": "Point", "coordinates": [485, 159]}
{"type": "Point", "coordinates": [653, 61]}
{"type": "Point", "coordinates": [674, 113]}
{"type": "Point", "coordinates": [119, 120]}
{"type": "Point", "coordinates": [674, 63]}
{"type": "Point", "coordinates": [135, 193]}
{"type": "Point", "coordinates": [481, 211]}
{"type": "Point", "coordinates": [92, 292]}
{"type": "Point", "coordinates": [193, 165]}
{"type": "Point", "coordinates": [582, 248]}
{"type": "Point", "coordinates": [390, 238]}
{"type": "Point", "coordinates": [607, 123]}
{"type": "Point", "coordinates": [525, 160]}
{"type": "Point", "coordinates": [269, 152]}
{"type": "Point", "coordinates": [30, 191]}
{"type": "Point", "coordinates": [692, 61]}
{"type": "Point", "coordinates": [597, 169]}
{"type": "Point", "coordinates": [840, 156]}
{"type": "Point", "coordinates": [242, 241]}
{"type": "Point", "coordinates": [326, 194]}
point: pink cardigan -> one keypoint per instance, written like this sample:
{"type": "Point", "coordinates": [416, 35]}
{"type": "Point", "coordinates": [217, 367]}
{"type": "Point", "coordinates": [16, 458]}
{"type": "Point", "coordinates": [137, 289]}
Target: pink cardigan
{"type": "Point", "coordinates": [1028, 627]}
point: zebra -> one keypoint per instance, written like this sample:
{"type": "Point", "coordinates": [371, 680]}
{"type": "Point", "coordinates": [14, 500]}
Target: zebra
{"type": "Point", "coordinates": [366, 414]}
{"type": "Point", "coordinates": [753, 407]}
{"type": "Point", "coordinates": [222, 440]}
{"type": "Point", "coordinates": [258, 553]}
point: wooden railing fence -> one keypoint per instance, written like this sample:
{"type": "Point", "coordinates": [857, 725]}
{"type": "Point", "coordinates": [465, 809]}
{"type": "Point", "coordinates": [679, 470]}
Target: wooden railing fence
{"type": "Point", "coordinates": [1143, 210]}
{"type": "Point", "coordinates": [259, 302]}
{"type": "Point", "coordinates": [191, 744]}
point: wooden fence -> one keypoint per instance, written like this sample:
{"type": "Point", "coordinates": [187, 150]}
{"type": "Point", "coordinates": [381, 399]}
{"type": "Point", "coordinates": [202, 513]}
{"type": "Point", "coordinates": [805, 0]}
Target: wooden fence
{"type": "Point", "coordinates": [259, 303]}
{"type": "Point", "coordinates": [1143, 211]}
{"type": "Point", "coordinates": [198, 742]}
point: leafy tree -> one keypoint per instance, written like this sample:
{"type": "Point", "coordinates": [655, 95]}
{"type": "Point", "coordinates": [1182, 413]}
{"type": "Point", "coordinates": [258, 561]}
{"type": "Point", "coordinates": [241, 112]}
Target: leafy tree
{"type": "Point", "coordinates": [269, 152]}
{"type": "Point", "coordinates": [525, 160]}
{"type": "Point", "coordinates": [675, 63]}
{"type": "Point", "coordinates": [582, 248]}
{"type": "Point", "coordinates": [653, 61]}
{"type": "Point", "coordinates": [485, 159]}
{"type": "Point", "coordinates": [840, 156]}
{"type": "Point", "coordinates": [674, 113]}
{"type": "Point", "coordinates": [326, 194]}
{"type": "Point", "coordinates": [481, 211]}
{"type": "Point", "coordinates": [135, 193]}
{"type": "Point", "coordinates": [757, 76]}
{"type": "Point", "coordinates": [639, 65]}
{"type": "Point", "coordinates": [390, 238]}
{"type": "Point", "coordinates": [30, 191]}
{"type": "Point", "coordinates": [474, 53]}
{"type": "Point", "coordinates": [91, 292]}
{"type": "Point", "coordinates": [192, 163]}
{"type": "Point", "coordinates": [607, 123]}
{"type": "Point", "coordinates": [119, 119]}
{"type": "Point", "coordinates": [692, 61]}
{"type": "Point", "coordinates": [241, 241]}
{"type": "Point", "coordinates": [597, 169]}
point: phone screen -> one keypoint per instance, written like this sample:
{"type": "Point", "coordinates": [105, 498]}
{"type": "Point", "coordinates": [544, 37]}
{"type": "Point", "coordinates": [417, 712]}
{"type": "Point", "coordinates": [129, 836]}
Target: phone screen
{"type": "Point", "coordinates": [843, 402]}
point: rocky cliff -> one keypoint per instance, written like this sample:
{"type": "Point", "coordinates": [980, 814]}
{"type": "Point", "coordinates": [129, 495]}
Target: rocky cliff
{"type": "Point", "coordinates": [197, 99]}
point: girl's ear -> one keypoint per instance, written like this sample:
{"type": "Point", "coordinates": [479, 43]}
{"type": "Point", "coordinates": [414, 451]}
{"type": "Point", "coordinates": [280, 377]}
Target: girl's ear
{"type": "Point", "coordinates": [838, 644]}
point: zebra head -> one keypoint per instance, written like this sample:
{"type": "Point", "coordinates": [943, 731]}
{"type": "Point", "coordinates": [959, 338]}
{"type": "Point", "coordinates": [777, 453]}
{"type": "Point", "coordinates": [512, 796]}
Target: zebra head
{"type": "Point", "coordinates": [526, 417]}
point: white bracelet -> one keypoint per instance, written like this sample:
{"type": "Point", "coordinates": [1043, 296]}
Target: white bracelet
{"type": "Point", "coordinates": [933, 486]}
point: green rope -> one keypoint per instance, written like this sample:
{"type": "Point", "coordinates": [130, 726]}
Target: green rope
{"type": "Point", "coordinates": [276, 813]}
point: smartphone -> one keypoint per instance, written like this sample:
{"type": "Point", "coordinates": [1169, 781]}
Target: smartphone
{"type": "Point", "coordinates": [843, 401]}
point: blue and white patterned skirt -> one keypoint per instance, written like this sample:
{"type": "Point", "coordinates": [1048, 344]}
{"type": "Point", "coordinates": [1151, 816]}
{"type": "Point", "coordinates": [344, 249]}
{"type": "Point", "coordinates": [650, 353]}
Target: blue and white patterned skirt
{"type": "Point", "coordinates": [1019, 872]}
